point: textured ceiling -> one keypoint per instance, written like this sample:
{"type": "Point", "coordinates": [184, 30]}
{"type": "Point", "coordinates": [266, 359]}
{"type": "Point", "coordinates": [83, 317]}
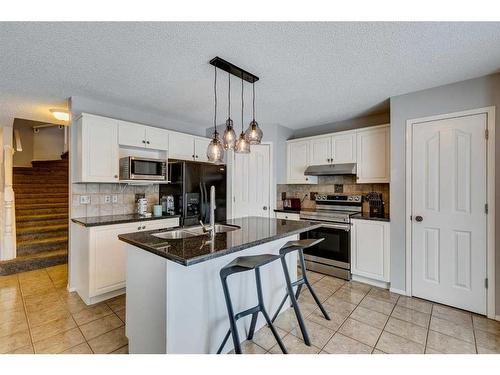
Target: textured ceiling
{"type": "Point", "coordinates": [311, 73]}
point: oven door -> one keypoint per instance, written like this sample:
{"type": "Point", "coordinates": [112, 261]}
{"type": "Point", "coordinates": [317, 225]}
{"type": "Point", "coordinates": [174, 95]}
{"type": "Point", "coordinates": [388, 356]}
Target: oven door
{"type": "Point", "coordinates": [147, 169]}
{"type": "Point", "coordinates": [334, 250]}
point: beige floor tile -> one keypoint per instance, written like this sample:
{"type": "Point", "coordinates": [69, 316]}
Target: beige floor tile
{"type": "Point", "coordinates": [36, 288]}
{"type": "Point", "coordinates": [350, 295]}
{"type": "Point", "coordinates": [12, 326]}
{"type": "Point", "coordinates": [40, 274]}
{"type": "Point", "coordinates": [393, 344]}
{"type": "Point", "coordinates": [488, 341]}
{"type": "Point", "coordinates": [8, 293]}
{"type": "Point", "coordinates": [47, 314]}
{"type": "Point", "coordinates": [121, 315]}
{"type": "Point", "coordinates": [307, 307]}
{"type": "Point", "coordinates": [377, 351]}
{"type": "Point", "coordinates": [334, 323]}
{"type": "Point", "coordinates": [10, 305]}
{"type": "Point", "coordinates": [60, 342]}
{"type": "Point", "coordinates": [384, 295]}
{"type": "Point", "coordinates": [454, 315]}
{"type": "Point", "coordinates": [100, 326]}
{"type": "Point", "coordinates": [91, 313]}
{"type": "Point", "coordinates": [314, 276]}
{"type": "Point", "coordinates": [15, 341]}
{"type": "Point", "coordinates": [73, 302]}
{"type": "Point", "coordinates": [319, 335]}
{"type": "Point", "coordinates": [286, 320]}
{"type": "Point", "coordinates": [249, 347]}
{"type": "Point", "coordinates": [28, 349]}
{"type": "Point", "coordinates": [448, 344]}
{"type": "Point", "coordinates": [109, 342]}
{"type": "Point", "coordinates": [407, 330]}
{"type": "Point", "coordinates": [265, 338]}
{"type": "Point", "coordinates": [482, 350]}
{"type": "Point", "coordinates": [356, 285]}
{"type": "Point", "coordinates": [411, 316]}
{"type": "Point", "coordinates": [360, 331]}
{"type": "Point", "coordinates": [294, 345]}
{"type": "Point", "coordinates": [329, 283]}
{"type": "Point", "coordinates": [322, 293]}
{"type": "Point", "coordinates": [116, 303]}
{"type": "Point", "coordinates": [122, 350]}
{"type": "Point", "coordinates": [415, 304]}
{"type": "Point", "coordinates": [82, 348]}
{"type": "Point", "coordinates": [10, 280]}
{"type": "Point", "coordinates": [340, 344]}
{"type": "Point", "coordinates": [485, 324]}
{"type": "Point", "coordinates": [370, 317]}
{"type": "Point", "coordinates": [52, 328]}
{"type": "Point", "coordinates": [339, 306]}
{"type": "Point", "coordinates": [377, 305]}
{"type": "Point", "coordinates": [40, 301]}
{"type": "Point", "coordinates": [431, 351]}
{"type": "Point", "coordinates": [459, 331]}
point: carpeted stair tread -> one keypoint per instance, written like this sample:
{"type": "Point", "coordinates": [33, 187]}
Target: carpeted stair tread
{"type": "Point", "coordinates": [41, 217]}
{"type": "Point", "coordinates": [34, 261]}
{"type": "Point", "coordinates": [35, 206]}
{"type": "Point", "coordinates": [42, 228]}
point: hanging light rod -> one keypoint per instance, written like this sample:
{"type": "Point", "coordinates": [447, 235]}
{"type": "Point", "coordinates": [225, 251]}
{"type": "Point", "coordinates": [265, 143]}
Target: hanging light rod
{"type": "Point", "coordinates": [233, 69]}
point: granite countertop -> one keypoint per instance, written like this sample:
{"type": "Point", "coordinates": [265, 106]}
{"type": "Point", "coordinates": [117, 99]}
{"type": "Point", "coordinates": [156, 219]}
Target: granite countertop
{"type": "Point", "coordinates": [367, 216]}
{"type": "Point", "coordinates": [188, 251]}
{"type": "Point", "coordinates": [95, 221]}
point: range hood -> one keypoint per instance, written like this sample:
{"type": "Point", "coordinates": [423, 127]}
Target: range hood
{"type": "Point", "coordinates": [331, 169]}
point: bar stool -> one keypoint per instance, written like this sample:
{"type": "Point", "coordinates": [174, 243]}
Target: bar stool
{"type": "Point", "coordinates": [298, 246]}
{"type": "Point", "coordinates": [243, 264]}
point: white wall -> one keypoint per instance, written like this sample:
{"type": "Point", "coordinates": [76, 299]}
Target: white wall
{"type": "Point", "coordinates": [460, 96]}
{"type": "Point", "coordinates": [48, 144]}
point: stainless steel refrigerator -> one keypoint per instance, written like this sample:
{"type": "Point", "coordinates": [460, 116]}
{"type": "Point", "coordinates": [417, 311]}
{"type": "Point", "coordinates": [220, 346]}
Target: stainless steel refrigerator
{"type": "Point", "coordinates": [190, 187]}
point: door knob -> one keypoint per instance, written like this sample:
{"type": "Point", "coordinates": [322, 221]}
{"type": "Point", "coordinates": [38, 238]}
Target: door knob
{"type": "Point", "coordinates": [419, 218]}
{"type": "Point", "coordinates": [264, 208]}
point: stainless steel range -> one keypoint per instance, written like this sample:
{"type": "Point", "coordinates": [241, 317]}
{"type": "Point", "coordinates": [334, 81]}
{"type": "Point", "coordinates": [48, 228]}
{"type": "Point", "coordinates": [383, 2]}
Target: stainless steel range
{"type": "Point", "coordinates": [331, 256]}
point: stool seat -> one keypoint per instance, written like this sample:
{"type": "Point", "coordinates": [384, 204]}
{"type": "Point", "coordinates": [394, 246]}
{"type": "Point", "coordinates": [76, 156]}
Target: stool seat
{"type": "Point", "coordinates": [248, 263]}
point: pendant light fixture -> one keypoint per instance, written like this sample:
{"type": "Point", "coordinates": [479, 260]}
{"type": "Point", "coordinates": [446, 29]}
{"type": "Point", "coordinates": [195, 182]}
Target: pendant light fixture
{"type": "Point", "coordinates": [253, 134]}
{"type": "Point", "coordinates": [215, 150]}
{"type": "Point", "coordinates": [229, 138]}
{"type": "Point", "coordinates": [242, 146]}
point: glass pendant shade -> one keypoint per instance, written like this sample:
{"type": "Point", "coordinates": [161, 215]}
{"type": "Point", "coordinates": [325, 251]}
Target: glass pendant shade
{"type": "Point", "coordinates": [242, 146]}
{"type": "Point", "coordinates": [215, 150]}
{"type": "Point", "coordinates": [229, 137]}
{"type": "Point", "coordinates": [253, 134]}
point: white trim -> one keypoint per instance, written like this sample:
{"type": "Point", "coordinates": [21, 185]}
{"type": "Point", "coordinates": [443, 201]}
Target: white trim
{"type": "Point", "coordinates": [497, 318]}
{"type": "Point", "coordinates": [355, 130]}
{"type": "Point", "coordinates": [490, 160]}
{"type": "Point", "coordinates": [397, 291]}
{"type": "Point", "coordinates": [367, 280]}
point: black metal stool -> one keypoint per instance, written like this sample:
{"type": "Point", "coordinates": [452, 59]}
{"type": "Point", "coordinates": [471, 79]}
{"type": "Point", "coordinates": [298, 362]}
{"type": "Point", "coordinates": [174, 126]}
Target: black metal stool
{"type": "Point", "coordinates": [298, 246]}
{"type": "Point", "coordinates": [243, 264]}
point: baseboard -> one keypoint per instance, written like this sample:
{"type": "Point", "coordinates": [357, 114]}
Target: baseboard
{"type": "Point", "coordinates": [497, 318]}
{"type": "Point", "coordinates": [398, 291]}
{"type": "Point", "coordinates": [366, 280]}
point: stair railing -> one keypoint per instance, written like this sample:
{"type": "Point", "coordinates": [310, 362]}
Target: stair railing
{"type": "Point", "coordinates": [9, 215]}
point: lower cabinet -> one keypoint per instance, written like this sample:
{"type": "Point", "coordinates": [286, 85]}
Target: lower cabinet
{"type": "Point", "coordinates": [287, 216]}
{"type": "Point", "coordinates": [100, 258]}
{"type": "Point", "coordinates": [370, 255]}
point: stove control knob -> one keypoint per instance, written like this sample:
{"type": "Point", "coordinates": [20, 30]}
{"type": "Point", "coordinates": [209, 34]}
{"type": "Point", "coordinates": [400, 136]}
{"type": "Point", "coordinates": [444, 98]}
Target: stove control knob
{"type": "Point", "coordinates": [357, 198]}
{"type": "Point", "coordinates": [349, 199]}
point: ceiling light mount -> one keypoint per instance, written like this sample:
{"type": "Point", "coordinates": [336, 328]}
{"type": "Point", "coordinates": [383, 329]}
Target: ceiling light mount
{"type": "Point", "coordinates": [233, 69]}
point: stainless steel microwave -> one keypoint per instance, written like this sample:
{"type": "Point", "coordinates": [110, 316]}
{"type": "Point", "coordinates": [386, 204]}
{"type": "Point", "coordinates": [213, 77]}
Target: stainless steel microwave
{"type": "Point", "coordinates": [137, 168]}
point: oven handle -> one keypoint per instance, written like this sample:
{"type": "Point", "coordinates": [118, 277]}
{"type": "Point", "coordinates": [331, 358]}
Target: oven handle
{"type": "Point", "coordinates": [346, 227]}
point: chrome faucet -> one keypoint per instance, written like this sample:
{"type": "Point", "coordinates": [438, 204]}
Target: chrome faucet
{"type": "Point", "coordinates": [211, 228]}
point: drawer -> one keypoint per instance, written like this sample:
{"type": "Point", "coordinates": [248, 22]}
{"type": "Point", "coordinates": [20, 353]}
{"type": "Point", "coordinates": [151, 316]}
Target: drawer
{"type": "Point", "coordinates": [287, 216]}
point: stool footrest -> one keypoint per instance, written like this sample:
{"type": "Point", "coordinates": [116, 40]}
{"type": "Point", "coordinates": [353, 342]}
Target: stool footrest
{"type": "Point", "coordinates": [250, 311]}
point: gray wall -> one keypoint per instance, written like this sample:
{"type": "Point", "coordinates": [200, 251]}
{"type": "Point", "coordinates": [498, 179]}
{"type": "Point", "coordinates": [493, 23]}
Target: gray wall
{"type": "Point", "coordinates": [460, 96]}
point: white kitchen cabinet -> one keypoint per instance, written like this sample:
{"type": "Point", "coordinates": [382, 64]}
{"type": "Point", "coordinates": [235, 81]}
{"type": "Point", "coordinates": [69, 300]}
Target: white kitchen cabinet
{"type": "Point", "coordinates": [298, 157]}
{"type": "Point", "coordinates": [97, 149]}
{"type": "Point", "coordinates": [287, 216]}
{"type": "Point", "coordinates": [344, 148]}
{"type": "Point", "coordinates": [370, 252]}
{"type": "Point", "coordinates": [187, 147]}
{"type": "Point", "coordinates": [200, 148]}
{"type": "Point", "coordinates": [137, 135]}
{"type": "Point", "coordinates": [98, 257]}
{"type": "Point", "coordinates": [373, 155]}
{"type": "Point", "coordinates": [320, 150]}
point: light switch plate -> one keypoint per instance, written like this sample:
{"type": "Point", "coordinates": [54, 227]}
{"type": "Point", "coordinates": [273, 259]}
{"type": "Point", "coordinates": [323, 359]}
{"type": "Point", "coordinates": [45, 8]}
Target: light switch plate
{"type": "Point", "coordinates": [107, 199]}
{"type": "Point", "coordinates": [114, 198]}
{"type": "Point", "coordinates": [84, 199]}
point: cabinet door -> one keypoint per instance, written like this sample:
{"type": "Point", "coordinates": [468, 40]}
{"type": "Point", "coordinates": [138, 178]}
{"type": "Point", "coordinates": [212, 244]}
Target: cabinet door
{"type": "Point", "coordinates": [370, 249]}
{"type": "Point", "coordinates": [130, 134]}
{"type": "Point", "coordinates": [200, 149]}
{"type": "Point", "coordinates": [180, 146]}
{"type": "Point", "coordinates": [157, 138]}
{"type": "Point", "coordinates": [320, 151]}
{"type": "Point", "coordinates": [99, 149]}
{"type": "Point", "coordinates": [297, 162]}
{"type": "Point", "coordinates": [373, 156]}
{"type": "Point", "coordinates": [344, 148]}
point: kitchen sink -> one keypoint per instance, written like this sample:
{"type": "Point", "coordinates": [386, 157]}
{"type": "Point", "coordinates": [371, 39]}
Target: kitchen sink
{"type": "Point", "coordinates": [194, 232]}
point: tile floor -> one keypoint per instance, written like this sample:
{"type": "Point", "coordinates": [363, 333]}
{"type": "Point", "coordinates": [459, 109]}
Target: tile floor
{"type": "Point", "coordinates": [38, 315]}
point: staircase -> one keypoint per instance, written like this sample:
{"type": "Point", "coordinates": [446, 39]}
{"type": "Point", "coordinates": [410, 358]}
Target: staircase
{"type": "Point", "coordinates": [41, 199]}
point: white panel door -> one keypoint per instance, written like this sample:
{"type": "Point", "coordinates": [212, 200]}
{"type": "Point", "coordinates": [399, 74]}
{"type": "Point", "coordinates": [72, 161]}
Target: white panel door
{"type": "Point", "coordinates": [320, 151]}
{"type": "Point", "coordinates": [130, 134]}
{"type": "Point", "coordinates": [252, 183]}
{"type": "Point", "coordinates": [200, 149]}
{"type": "Point", "coordinates": [373, 154]}
{"type": "Point", "coordinates": [448, 209]}
{"type": "Point", "coordinates": [344, 148]}
{"type": "Point", "coordinates": [180, 146]}
{"type": "Point", "coordinates": [156, 138]}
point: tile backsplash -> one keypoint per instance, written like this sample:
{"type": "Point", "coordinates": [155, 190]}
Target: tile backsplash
{"type": "Point", "coordinates": [331, 185]}
{"type": "Point", "coordinates": [125, 199]}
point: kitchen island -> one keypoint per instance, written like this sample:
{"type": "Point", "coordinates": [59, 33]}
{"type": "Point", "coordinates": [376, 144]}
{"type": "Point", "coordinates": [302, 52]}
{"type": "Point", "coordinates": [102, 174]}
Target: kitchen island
{"type": "Point", "coordinates": [175, 302]}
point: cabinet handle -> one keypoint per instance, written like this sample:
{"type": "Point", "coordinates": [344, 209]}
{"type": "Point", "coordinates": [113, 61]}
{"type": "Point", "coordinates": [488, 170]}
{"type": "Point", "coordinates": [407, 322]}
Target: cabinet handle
{"type": "Point", "coordinates": [139, 227]}
{"type": "Point", "coordinates": [307, 179]}
{"type": "Point", "coordinates": [143, 227]}
{"type": "Point", "coordinates": [196, 156]}
{"type": "Point", "coordinates": [192, 156]}
{"type": "Point", "coordinates": [143, 141]}
{"type": "Point", "coordinates": [147, 142]}
{"type": "Point", "coordinates": [115, 176]}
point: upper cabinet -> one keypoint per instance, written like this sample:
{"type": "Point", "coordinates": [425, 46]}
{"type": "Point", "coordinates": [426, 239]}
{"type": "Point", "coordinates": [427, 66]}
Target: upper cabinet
{"type": "Point", "coordinates": [187, 147]}
{"type": "Point", "coordinates": [200, 148]}
{"type": "Point", "coordinates": [137, 135]}
{"type": "Point", "coordinates": [97, 149]}
{"type": "Point", "coordinates": [373, 155]}
{"type": "Point", "coordinates": [344, 148]}
{"type": "Point", "coordinates": [298, 159]}
{"type": "Point", "coordinates": [320, 150]}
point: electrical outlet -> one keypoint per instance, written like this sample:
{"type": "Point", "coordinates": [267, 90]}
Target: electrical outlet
{"type": "Point", "coordinates": [84, 199]}
{"type": "Point", "coordinates": [114, 198]}
{"type": "Point", "coordinates": [107, 199]}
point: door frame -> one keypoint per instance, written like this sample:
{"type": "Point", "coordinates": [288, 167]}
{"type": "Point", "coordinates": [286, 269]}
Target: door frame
{"type": "Point", "coordinates": [272, 187]}
{"type": "Point", "coordinates": [490, 196]}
